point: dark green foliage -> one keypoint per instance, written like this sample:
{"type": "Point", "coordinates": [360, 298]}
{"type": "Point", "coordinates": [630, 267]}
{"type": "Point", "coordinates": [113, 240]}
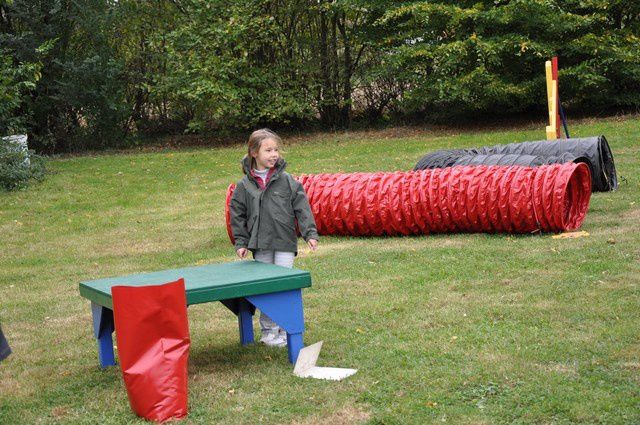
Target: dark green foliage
{"type": "Point", "coordinates": [488, 57]}
{"type": "Point", "coordinates": [88, 75]}
{"type": "Point", "coordinates": [15, 172]}
{"type": "Point", "coordinates": [15, 84]}
{"type": "Point", "coordinates": [77, 102]}
{"type": "Point", "coordinates": [229, 65]}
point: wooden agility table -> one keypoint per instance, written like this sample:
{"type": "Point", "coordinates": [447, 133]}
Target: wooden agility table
{"type": "Point", "coordinates": [241, 286]}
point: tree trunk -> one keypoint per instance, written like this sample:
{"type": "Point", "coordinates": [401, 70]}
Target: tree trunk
{"type": "Point", "coordinates": [345, 111]}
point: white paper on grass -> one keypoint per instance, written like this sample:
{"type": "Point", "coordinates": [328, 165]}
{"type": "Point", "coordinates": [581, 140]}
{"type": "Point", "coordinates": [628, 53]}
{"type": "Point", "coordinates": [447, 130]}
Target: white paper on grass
{"type": "Point", "coordinates": [306, 365]}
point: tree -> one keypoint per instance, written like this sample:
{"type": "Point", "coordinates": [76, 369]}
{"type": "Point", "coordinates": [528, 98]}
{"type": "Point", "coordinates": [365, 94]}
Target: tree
{"type": "Point", "coordinates": [77, 101]}
{"type": "Point", "coordinates": [460, 58]}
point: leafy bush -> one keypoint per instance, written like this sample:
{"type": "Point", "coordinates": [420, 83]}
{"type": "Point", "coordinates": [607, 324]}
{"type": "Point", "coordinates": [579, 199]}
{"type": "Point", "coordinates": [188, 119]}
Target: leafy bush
{"type": "Point", "coordinates": [16, 82]}
{"type": "Point", "coordinates": [63, 49]}
{"type": "Point", "coordinates": [15, 171]}
{"type": "Point", "coordinates": [462, 58]}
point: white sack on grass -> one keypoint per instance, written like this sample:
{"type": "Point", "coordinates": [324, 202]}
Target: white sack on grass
{"type": "Point", "coordinates": [18, 143]}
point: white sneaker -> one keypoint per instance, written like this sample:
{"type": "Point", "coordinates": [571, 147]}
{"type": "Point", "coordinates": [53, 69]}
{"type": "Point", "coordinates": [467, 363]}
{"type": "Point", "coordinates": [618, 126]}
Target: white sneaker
{"type": "Point", "coordinates": [282, 334]}
{"type": "Point", "coordinates": [280, 340]}
{"type": "Point", "coordinates": [273, 339]}
{"type": "Point", "coordinates": [268, 337]}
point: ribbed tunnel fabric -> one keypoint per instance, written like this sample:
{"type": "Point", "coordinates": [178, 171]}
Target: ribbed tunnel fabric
{"type": "Point", "coordinates": [515, 199]}
{"type": "Point", "coordinates": [593, 151]}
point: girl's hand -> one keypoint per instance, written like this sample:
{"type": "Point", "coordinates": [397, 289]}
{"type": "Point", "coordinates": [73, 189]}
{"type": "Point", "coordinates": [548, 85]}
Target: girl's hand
{"type": "Point", "coordinates": [242, 253]}
{"type": "Point", "coordinates": [313, 244]}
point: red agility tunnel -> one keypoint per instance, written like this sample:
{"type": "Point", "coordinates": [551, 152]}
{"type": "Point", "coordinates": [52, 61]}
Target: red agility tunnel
{"type": "Point", "coordinates": [152, 331]}
{"type": "Point", "coordinates": [515, 199]}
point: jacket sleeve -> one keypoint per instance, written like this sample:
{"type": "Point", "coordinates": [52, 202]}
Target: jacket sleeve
{"type": "Point", "coordinates": [238, 209]}
{"type": "Point", "coordinates": [302, 210]}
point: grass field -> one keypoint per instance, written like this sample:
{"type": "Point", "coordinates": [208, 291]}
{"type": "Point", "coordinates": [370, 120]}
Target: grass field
{"type": "Point", "coordinates": [463, 328]}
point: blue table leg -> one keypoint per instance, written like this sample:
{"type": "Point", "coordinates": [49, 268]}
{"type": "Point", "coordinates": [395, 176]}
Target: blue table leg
{"type": "Point", "coordinates": [102, 329]}
{"type": "Point", "coordinates": [245, 322]}
{"type": "Point", "coordinates": [294, 345]}
{"type": "Point", "coordinates": [284, 308]}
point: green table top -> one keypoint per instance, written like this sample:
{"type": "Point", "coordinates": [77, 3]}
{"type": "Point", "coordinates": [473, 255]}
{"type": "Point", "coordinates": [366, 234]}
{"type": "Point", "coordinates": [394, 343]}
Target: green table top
{"type": "Point", "coordinates": [211, 282]}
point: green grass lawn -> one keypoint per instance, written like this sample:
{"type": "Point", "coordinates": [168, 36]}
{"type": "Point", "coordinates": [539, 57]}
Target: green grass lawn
{"type": "Point", "coordinates": [462, 328]}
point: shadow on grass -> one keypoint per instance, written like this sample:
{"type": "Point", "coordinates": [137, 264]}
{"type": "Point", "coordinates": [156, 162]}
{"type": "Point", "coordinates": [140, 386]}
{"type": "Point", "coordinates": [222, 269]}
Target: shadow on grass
{"type": "Point", "coordinates": [231, 358]}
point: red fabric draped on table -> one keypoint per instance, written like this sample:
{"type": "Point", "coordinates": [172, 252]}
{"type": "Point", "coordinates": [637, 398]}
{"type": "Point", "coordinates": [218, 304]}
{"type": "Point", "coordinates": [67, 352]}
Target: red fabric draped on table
{"type": "Point", "coordinates": [152, 331]}
{"type": "Point", "coordinates": [515, 199]}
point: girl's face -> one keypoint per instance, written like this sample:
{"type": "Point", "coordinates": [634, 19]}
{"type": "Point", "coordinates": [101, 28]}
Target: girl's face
{"type": "Point", "coordinates": [267, 155]}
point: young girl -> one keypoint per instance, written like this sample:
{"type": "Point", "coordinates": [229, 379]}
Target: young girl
{"type": "Point", "coordinates": [264, 207]}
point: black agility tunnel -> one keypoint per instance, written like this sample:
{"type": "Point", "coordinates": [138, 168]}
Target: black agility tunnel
{"type": "Point", "coordinates": [4, 347]}
{"type": "Point", "coordinates": [594, 151]}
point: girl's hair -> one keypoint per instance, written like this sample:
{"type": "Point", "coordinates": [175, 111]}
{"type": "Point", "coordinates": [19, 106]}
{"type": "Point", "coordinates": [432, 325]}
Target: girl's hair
{"type": "Point", "coordinates": [255, 141]}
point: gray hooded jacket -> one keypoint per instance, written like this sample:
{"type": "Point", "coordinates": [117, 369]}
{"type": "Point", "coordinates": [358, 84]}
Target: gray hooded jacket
{"type": "Point", "coordinates": [266, 219]}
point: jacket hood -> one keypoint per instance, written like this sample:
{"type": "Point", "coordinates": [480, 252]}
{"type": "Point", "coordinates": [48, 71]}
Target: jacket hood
{"type": "Point", "coordinates": [281, 164]}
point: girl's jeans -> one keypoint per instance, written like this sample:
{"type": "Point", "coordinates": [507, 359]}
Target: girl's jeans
{"type": "Point", "coordinates": [279, 258]}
